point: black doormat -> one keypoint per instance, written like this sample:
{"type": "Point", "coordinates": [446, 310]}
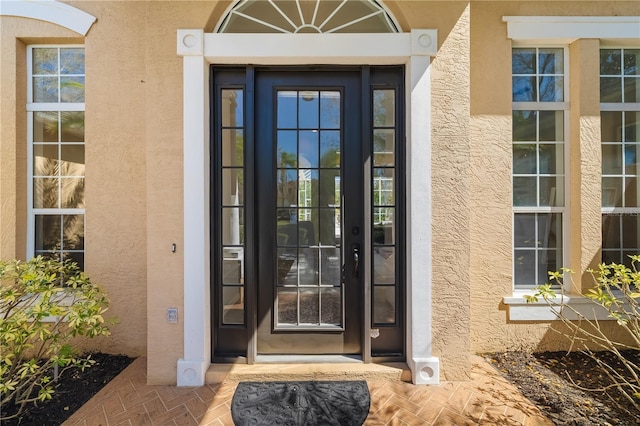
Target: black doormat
{"type": "Point", "coordinates": [300, 403]}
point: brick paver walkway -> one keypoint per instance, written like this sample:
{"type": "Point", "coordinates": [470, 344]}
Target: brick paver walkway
{"type": "Point", "coordinates": [486, 399]}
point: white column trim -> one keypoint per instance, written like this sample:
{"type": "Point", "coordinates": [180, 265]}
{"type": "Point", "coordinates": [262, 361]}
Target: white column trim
{"type": "Point", "coordinates": [197, 308]}
{"type": "Point", "coordinates": [49, 11]}
{"type": "Point", "coordinates": [199, 50]}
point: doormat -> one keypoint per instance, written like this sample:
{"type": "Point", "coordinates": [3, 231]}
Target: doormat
{"type": "Point", "coordinates": [301, 403]}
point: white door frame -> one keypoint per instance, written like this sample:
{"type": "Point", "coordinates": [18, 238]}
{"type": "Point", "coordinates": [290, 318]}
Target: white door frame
{"type": "Point", "coordinates": [199, 50]}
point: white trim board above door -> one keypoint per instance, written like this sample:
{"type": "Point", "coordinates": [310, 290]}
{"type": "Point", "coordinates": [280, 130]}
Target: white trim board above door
{"type": "Point", "coordinates": [199, 50]}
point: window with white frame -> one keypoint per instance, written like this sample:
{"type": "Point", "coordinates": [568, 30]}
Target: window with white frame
{"type": "Point", "coordinates": [56, 151]}
{"type": "Point", "coordinates": [620, 118]}
{"type": "Point", "coordinates": [539, 113]}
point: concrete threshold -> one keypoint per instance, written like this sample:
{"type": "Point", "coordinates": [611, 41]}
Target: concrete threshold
{"type": "Point", "coordinates": [298, 371]}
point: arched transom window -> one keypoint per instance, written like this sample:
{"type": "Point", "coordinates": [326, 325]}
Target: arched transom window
{"type": "Point", "coordinates": [308, 16]}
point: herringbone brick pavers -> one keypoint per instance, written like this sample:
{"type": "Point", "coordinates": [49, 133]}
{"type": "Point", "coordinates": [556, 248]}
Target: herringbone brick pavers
{"type": "Point", "coordinates": [485, 399]}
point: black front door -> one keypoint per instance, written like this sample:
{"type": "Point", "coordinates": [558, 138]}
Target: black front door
{"type": "Point", "coordinates": [307, 201]}
{"type": "Point", "coordinates": [309, 191]}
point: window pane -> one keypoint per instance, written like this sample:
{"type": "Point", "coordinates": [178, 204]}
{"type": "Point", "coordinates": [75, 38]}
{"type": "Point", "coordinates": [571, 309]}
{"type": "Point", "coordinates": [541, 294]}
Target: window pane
{"type": "Point", "coordinates": [631, 89]}
{"type": "Point", "coordinates": [611, 126]}
{"type": "Point", "coordinates": [551, 158]}
{"type": "Point", "coordinates": [73, 232]}
{"type": "Point", "coordinates": [233, 187]}
{"type": "Point", "coordinates": [384, 108]}
{"type": "Point", "coordinates": [45, 89]}
{"type": "Point", "coordinates": [329, 227]}
{"type": "Point", "coordinates": [72, 61]}
{"type": "Point", "coordinates": [232, 265]}
{"type": "Point", "coordinates": [525, 267]}
{"type": "Point", "coordinates": [308, 195]}
{"type": "Point", "coordinates": [523, 61]}
{"type": "Point", "coordinates": [232, 148]}
{"type": "Point", "coordinates": [384, 265]}
{"type": "Point", "coordinates": [309, 149]}
{"type": "Point", "coordinates": [330, 266]}
{"type": "Point", "coordinates": [611, 192]}
{"type": "Point", "coordinates": [524, 89]}
{"type": "Point", "coordinates": [630, 231]}
{"type": "Point", "coordinates": [330, 306]}
{"type": "Point", "coordinates": [524, 230]}
{"type": "Point", "coordinates": [631, 124]}
{"type": "Point", "coordinates": [552, 191]}
{"type": "Point", "coordinates": [287, 188]}
{"type": "Point", "coordinates": [551, 61]}
{"type": "Point", "coordinates": [610, 89]}
{"type": "Point", "coordinates": [611, 159]}
{"type": "Point", "coordinates": [72, 126]}
{"type": "Point", "coordinates": [71, 89]}
{"type": "Point", "coordinates": [232, 108]}
{"type": "Point", "coordinates": [329, 188]}
{"type": "Point", "coordinates": [287, 306]}
{"type": "Point", "coordinates": [72, 193]}
{"type": "Point", "coordinates": [383, 147]}
{"type": "Point", "coordinates": [610, 62]}
{"type": "Point", "coordinates": [329, 148]}
{"type": "Point", "coordinates": [383, 226]}
{"type": "Point", "coordinates": [524, 159]}
{"type": "Point", "coordinates": [232, 226]}
{"type": "Point", "coordinates": [384, 304]}
{"type": "Point", "coordinates": [329, 110]}
{"type": "Point", "coordinates": [383, 187]}
{"type": "Point", "coordinates": [549, 261]}
{"type": "Point", "coordinates": [45, 193]}
{"type": "Point", "coordinates": [45, 160]}
{"type": "Point", "coordinates": [524, 126]}
{"type": "Point", "coordinates": [551, 89]}
{"type": "Point", "coordinates": [48, 232]}
{"type": "Point", "coordinates": [524, 191]}
{"type": "Point", "coordinates": [45, 61]}
{"type": "Point", "coordinates": [631, 159]}
{"type": "Point", "coordinates": [45, 126]}
{"type": "Point", "coordinates": [310, 306]}
{"type": "Point", "coordinates": [631, 192]}
{"type": "Point", "coordinates": [287, 148]}
{"type": "Point", "coordinates": [551, 126]}
{"type": "Point", "coordinates": [308, 110]}
{"type": "Point", "coordinates": [632, 61]}
{"type": "Point", "coordinates": [549, 230]}
{"type": "Point", "coordinates": [233, 305]}
{"type": "Point", "coordinates": [611, 231]}
{"type": "Point", "coordinates": [287, 110]}
{"type": "Point", "coordinates": [72, 160]}
{"type": "Point", "coordinates": [75, 256]}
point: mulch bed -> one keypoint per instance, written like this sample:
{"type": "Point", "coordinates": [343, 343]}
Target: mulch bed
{"type": "Point", "coordinates": [557, 383]}
{"type": "Point", "coordinates": [73, 390]}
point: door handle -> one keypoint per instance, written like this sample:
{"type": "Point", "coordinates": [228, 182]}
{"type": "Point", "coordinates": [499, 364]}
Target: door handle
{"type": "Point", "coordinates": [356, 259]}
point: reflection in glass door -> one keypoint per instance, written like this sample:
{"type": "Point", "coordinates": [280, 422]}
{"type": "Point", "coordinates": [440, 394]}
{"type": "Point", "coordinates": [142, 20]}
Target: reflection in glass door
{"type": "Point", "coordinates": [309, 259]}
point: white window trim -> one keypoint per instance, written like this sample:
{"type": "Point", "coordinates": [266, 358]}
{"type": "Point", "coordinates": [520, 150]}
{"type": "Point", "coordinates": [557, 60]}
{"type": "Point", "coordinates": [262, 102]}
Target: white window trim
{"type": "Point", "coordinates": [51, 11]}
{"type": "Point", "coordinates": [32, 107]}
{"type": "Point", "coordinates": [567, 29]}
{"type": "Point", "coordinates": [199, 51]}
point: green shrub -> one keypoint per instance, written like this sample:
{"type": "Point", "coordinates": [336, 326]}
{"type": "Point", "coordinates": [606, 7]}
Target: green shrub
{"type": "Point", "coordinates": [45, 305]}
{"type": "Point", "coordinates": [617, 291]}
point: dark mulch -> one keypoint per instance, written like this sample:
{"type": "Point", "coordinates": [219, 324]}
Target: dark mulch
{"type": "Point", "coordinates": [556, 383]}
{"type": "Point", "coordinates": [74, 388]}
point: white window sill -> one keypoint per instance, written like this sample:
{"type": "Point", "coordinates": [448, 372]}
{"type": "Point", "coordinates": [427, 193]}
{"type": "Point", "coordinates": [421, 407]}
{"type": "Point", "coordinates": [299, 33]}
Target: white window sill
{"type": "Point", "coordinates": [520, 310]}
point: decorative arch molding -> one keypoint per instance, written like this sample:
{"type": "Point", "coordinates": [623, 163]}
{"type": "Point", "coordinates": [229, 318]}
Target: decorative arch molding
{"type": "Point", "coordinates": [51, 11]}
